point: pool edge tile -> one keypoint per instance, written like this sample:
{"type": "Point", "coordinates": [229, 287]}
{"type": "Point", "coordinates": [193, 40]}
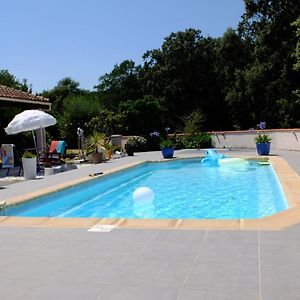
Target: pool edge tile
{"type": "Point", "coordinates": [71, 222]}
{"type": "Point", "coordinates": [2, 218]}
{"type": "Point", "coordinates": [278, 221]}
{"type": "Point", "coordinates": [209, 224]}
{"type": "Point", "coordinates": [24, 221]}
{"type": "Point", "coordinates": [289, 180]}
{"type": "Point", "coordinates": [148, 223]}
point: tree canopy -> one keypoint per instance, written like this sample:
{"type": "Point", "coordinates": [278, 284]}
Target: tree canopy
{"type": "Point", "coordinates": [248, 75]}
{"type": "Point", "coordinates": [8, 79]}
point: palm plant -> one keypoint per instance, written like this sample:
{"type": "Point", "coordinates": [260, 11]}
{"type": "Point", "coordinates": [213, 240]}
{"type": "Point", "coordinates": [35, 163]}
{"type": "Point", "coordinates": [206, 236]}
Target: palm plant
{"type": "Point", "coordinates": [95, 141]}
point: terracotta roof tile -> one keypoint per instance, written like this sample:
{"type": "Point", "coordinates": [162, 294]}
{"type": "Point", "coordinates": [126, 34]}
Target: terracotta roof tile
{"type": "Point", "coordinates": [7, 92]}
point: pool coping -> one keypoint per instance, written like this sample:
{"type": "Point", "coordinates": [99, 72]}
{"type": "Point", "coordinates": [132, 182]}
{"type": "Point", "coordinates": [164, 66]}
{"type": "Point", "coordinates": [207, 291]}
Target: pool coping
{"type": "Point", "coordinates": [289, 179]}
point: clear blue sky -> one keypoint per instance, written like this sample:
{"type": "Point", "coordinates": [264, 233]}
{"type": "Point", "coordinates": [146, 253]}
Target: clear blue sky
{"type": "Point", "coordinates": [45, 41]}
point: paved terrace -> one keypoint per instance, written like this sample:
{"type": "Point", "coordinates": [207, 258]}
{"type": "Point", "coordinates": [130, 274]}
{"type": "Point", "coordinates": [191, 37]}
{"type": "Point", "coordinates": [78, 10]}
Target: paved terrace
{"type": "Point", "coordinates": [70, 263]}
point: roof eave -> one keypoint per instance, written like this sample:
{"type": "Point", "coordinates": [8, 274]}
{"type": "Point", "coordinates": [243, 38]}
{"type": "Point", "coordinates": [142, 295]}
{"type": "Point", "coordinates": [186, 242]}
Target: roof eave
{"type": "Point", "coordinates": [26, 101]}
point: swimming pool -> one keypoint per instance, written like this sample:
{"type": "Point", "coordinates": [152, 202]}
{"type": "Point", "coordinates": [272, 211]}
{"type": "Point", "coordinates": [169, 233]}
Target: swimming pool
{"type": "Point", "coordinates": [183, 189]}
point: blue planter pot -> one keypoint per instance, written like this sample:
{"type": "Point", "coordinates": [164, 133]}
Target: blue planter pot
{"type": "Point", "coordinates": [167, 152]}
{"type": "Point", "coordinates": [263, 148]}
{"type": "Point", "coordinates": [130, 152]}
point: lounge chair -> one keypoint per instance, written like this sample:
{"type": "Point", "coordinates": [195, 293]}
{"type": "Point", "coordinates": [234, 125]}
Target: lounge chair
{"type": "Point", "coordinates": [55, 153]}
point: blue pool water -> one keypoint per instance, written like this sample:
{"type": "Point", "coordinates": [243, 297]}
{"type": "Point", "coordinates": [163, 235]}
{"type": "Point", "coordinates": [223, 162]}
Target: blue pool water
{"type": "Point", "coordinates": [183, 189]}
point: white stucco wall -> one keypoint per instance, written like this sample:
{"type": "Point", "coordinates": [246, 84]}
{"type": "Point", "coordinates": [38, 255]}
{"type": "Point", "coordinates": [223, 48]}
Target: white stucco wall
{"type": "Point", "coordinates": [285, 139]}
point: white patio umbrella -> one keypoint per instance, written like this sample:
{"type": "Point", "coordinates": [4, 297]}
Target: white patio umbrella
{"type": "Point", "coordinates": [30, 120]}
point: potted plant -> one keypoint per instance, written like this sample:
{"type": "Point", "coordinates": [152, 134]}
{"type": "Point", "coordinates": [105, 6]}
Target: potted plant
{"type": "Point", "coordinates": [94, 144]}
{"type": "Point", "coordinates": [263, 144]}
{"type": "Point", "coordinates": [133, 144]}
{"type": "Point", "coordinates": [29, 163]}
{"type": "Point", "coordinates": [48, 170]}
{"type": "Point", "coordinates": [167, 148]}
{"type": "Point", "coordinates": [108, 150]}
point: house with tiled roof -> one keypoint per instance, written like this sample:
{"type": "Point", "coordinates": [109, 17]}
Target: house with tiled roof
{"type": "Point", "coordinates": [10, 97]}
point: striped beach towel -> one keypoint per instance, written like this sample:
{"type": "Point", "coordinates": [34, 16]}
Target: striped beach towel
{"type": "Point", "coordinates": [7, 155]}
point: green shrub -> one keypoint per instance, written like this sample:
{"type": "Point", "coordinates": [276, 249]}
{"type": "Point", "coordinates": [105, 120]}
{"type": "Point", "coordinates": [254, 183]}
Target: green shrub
{"type": "Point", "coordinates": [28, 154]}
{"type": "Point", "coordinates": [197, 141]}
{"type": "Point", "coordinates": [106, 121]}
{"type": "Point", "coordinates": [178, 142]}
{"type": "Point", "coordinates": [77, 111]}
{"type": "Point", "coordinates": [262, 138]}
{"type": "Point", "coordinates": [136, 144]}
{"type": "Point", "coordinates": [193, 122]}
{"type": "Point", "coordinates": [167, 143]}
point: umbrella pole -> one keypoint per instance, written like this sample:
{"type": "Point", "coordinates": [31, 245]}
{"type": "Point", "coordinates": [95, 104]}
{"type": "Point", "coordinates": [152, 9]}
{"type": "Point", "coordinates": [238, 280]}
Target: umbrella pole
{"type": "Point", "coordinates": [34, 140]}
{"type": "Point", "coordinates": [35, 146]}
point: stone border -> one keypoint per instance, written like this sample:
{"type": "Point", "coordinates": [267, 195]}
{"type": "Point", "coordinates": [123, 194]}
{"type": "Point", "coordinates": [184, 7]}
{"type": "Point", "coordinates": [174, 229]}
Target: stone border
{"type": "Point", "coordinates": [289, 180]}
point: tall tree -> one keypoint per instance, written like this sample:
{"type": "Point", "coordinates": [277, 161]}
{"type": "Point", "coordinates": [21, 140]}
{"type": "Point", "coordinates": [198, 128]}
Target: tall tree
{"type": "Point", "coordinates": [233, 55]}
{"type": "Point", "coordinates": [120, 85]}
{"type": "Point", "coordinates": [183, 73]}
{"type": "Point", "coordinates": [143, 115]}
{"type": "Point", "coordinates": [297, 51]}
{"type": "Point", "coordinates": [267, 85]}
{"type": "Point", "coordinates": [297, 68]}
{"type": "Point", "coordinates": [77, 111]}
{"type": "Point", "coordinates": [8, 79]}
{"type": "Point", "coordinates": [65, 88]}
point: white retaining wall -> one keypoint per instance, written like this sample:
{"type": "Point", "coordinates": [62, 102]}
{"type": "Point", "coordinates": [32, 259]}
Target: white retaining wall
{"type": "Point", "coordinates": [284, 139]}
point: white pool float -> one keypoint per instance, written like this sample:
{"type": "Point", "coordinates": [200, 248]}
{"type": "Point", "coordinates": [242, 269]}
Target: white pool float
{"type": "Point", "coordinates": [233, 161]}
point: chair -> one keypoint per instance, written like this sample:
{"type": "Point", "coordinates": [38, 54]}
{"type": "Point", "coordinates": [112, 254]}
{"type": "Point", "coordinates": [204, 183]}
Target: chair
{"type": "Point", "coordinates": [55, 153]}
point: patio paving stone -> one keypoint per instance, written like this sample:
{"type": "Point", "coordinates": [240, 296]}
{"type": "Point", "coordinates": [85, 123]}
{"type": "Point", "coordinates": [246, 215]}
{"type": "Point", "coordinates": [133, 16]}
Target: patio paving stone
{"type": "Point", "coordinates": [72, 263]}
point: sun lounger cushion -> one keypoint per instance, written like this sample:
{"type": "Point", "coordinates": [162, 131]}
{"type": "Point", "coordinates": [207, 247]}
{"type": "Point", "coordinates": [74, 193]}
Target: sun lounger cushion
{"type": "Point", "coordinates": [53, 147]}
{"type": "Point", "coordinates": [61, 147]}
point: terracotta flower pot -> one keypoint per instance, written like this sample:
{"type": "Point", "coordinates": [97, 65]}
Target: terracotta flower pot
{"type": "Point", "coordinates": [97, 157]}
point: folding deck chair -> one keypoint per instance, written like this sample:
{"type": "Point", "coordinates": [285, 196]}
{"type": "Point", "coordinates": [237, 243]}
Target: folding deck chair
{"type": "Point", "coordinates": [57, 151]}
